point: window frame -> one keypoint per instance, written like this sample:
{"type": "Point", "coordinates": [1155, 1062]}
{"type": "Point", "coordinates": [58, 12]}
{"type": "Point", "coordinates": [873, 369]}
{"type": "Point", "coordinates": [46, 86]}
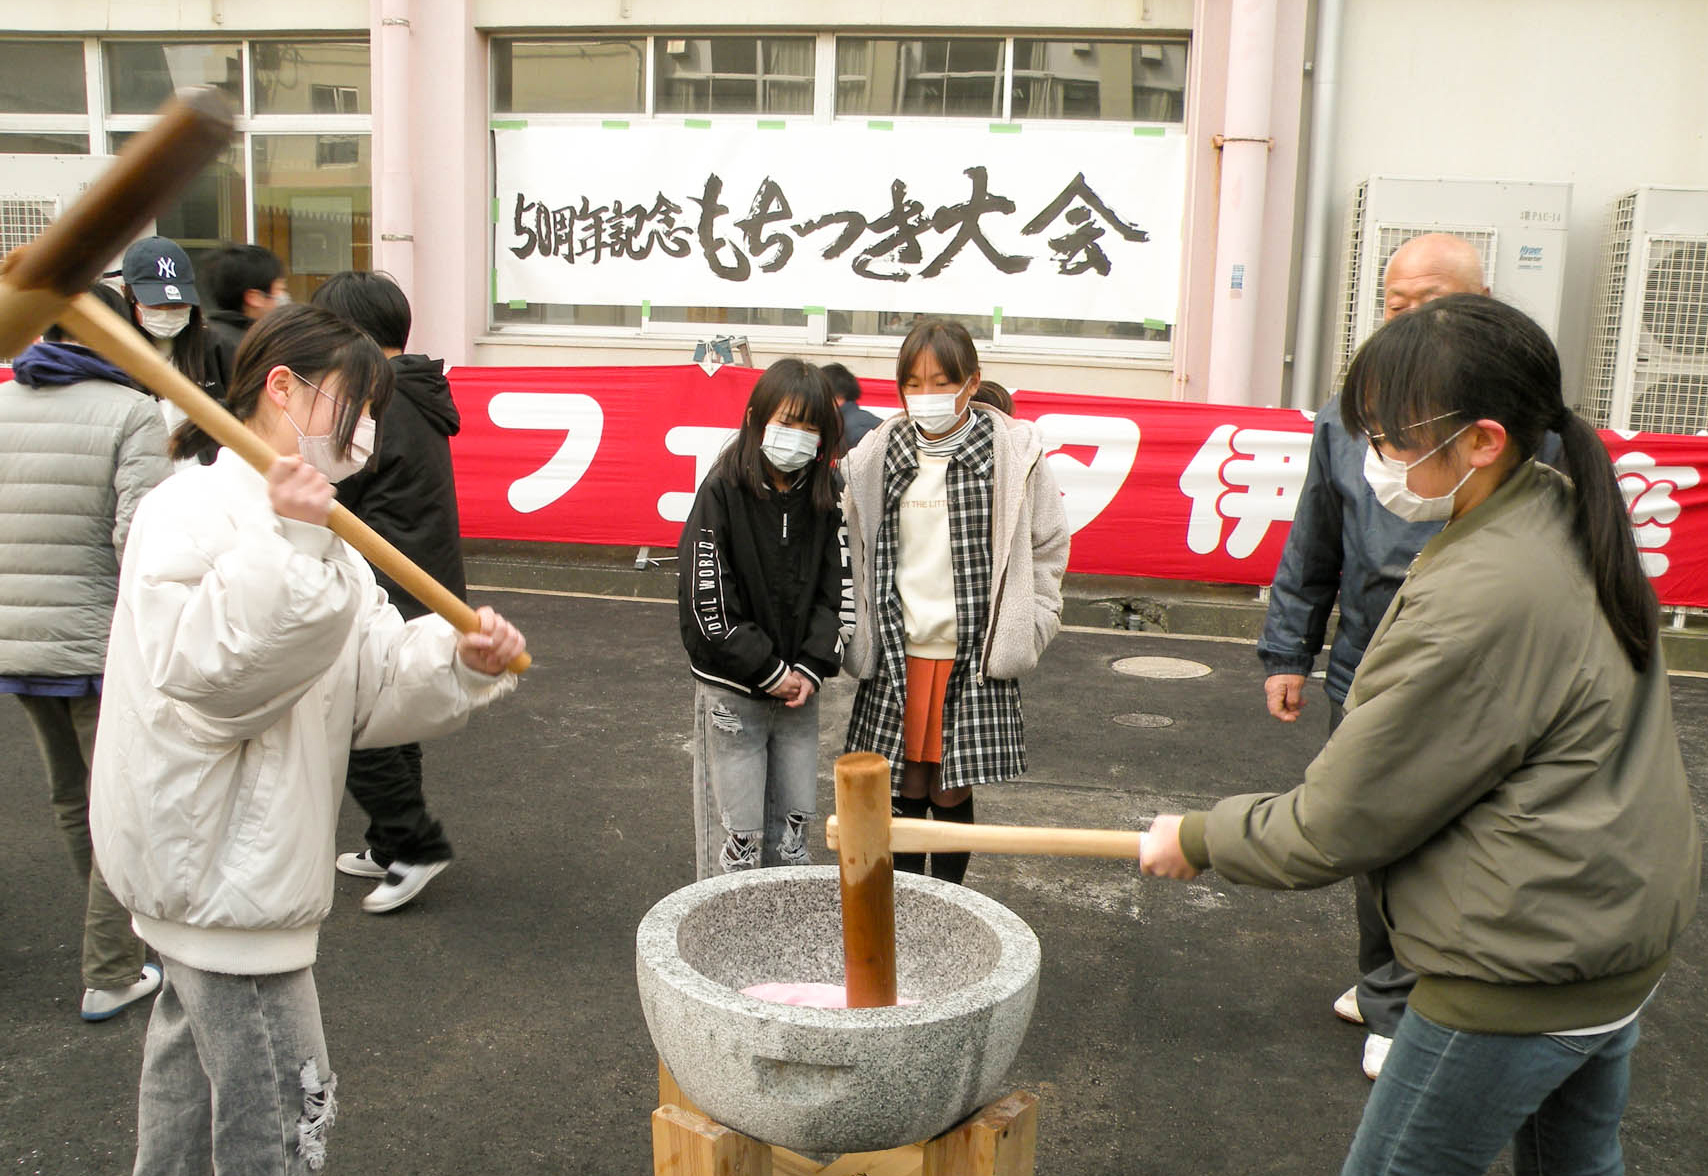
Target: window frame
{"type": "Point", "coordinates": [826, 79]}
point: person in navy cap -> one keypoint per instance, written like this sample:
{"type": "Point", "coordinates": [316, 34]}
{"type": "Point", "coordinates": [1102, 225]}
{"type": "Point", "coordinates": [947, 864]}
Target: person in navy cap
{"type": "Point", "coordinates": [160, 289]}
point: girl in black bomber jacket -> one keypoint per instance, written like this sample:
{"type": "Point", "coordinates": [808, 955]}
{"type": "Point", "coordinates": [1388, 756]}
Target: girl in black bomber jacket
{"type": "Point", "coordinates": [762, 572]}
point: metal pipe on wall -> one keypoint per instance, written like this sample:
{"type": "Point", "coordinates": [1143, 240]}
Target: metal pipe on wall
{"type": "Point", "coordinates": [394, 226]}
{"type": "Point", "coordinates": [1319, 227]}
{"type": "Point", "coordinates": [1244, 183]}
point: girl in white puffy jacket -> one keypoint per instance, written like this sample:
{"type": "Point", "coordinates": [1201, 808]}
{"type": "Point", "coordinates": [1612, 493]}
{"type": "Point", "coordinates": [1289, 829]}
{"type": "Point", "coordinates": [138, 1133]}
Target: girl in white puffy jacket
{"type": "Point", "coordinates": [250, 651]}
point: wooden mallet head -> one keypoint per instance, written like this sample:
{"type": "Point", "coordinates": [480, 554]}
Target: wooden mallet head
{"type": "Point", "coordinates": [867, 878]}
{"type": "Point", "coordinates": [154, 168]}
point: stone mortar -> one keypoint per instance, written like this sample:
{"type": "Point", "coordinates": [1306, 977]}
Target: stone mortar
{"type": "Point", "coordinates": [830, 1081]}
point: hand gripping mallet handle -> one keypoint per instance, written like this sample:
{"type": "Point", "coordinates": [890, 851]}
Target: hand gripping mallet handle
{"type": "Point", "coordinates": [908, 835]}
{"type": "Point", "coordinates": [147, 176]}
{"type": "Point", "coordinates": [96, 326]}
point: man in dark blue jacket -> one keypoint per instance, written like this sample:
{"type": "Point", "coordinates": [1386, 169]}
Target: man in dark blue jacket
{"type": "Point", "coordinates": [1344, 544]}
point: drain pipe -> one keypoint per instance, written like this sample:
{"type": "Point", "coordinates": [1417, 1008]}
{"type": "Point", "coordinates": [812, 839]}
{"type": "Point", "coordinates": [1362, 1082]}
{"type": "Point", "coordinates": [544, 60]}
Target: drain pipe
{"type": "Point", "coordinates": [1244, 177]}
{"type": "Point", "coordinates": [394, 226]}
{"type": "Point", "coordinates": [1319, 228]}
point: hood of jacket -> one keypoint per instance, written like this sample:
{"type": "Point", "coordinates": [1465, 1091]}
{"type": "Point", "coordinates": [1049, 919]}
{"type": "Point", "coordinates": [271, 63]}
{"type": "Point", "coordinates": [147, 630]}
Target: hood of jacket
{"type": "Point", "coordinates": [423, 381]}
{"type": "Point", "coordinates": [54, 365]}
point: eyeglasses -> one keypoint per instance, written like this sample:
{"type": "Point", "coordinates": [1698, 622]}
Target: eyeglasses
{"type": "Point", "coordinates": [1383, 437]}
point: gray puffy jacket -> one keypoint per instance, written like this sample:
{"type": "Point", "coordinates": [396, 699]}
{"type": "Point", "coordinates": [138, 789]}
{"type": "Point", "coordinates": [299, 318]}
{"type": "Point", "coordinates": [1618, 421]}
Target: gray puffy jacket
{"type": "Point", "coordinates": [75, 460]}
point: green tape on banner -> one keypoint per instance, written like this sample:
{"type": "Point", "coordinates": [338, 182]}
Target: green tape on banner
{"type": "Point", "coordinates": [1150, 132]}
{"type": "Point", "coordinates": [495, 210]}
{"type": "Point", "coordinates": [646, 308]}
{"type": "Point", "coordinates": [518, 304]}
{"type": "Point", "coordinates": [880, 124]}
{"type": "Point", "coordinates": [615, 124]}
{"type": "Point", "coordinates": [996, 316]}
{"type": "Point", "coordinates": [811, 310]}
{"type": "Point", "coordinates": [495, 285]}
{"type": "Point", "coordinates": [1005, 128]}
{"type": "Point", "coordinates": [1155, 325]}
{"type": "Point", "coordinates": [509, 124]}
{"type": "Point", "coordinates": [772, 124]}
{"type": "Point", "coordinates": [698, 124]}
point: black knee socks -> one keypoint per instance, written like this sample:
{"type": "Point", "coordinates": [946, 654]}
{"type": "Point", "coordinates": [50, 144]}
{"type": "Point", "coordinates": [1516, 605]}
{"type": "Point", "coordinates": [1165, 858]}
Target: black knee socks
{"type": "Point", "coordinates": [909, 806]}
{"type": "Point", "coordinates": [952, 867]}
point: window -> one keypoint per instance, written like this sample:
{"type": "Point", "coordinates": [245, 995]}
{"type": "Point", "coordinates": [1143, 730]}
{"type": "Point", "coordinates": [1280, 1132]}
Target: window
{"type": "Point", "coordinates": [143, 74]}
{"type": "Point", "coordinates": [734, 75]}
{"type": "Point", "coordinates": [960, 77]}
{"type": "Point", "coordinates": [42, 77]}
{"type": "Point", "coordinates": [568, 77]}
{"type": "Point", "coordinates": [310, 77]}
{"type": "Point", "coordinates": [317, 216]}
{"type": "Point", "coordinates": [28, 143]}
{"type": "Point", "coordinates": [297, 175]}
{"type": "Point", "coordinates": [212, 210]}
{"type": "Point", "coordinates": [1104, 85]}
{"type": "Point", "coordinates": [1143, 82]}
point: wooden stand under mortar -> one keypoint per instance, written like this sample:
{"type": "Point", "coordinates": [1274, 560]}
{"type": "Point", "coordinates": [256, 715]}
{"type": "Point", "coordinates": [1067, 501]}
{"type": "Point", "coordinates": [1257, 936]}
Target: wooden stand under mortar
{"type": "Point", "coordinates": [999, 1140]}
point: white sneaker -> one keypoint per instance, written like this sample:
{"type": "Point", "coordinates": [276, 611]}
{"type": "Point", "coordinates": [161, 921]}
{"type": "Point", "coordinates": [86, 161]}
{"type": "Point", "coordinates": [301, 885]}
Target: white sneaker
{"type": "Point", "coordinates": [1346, 1006]}
{"type": "Point", "coordinates": [402, 883]}
{"type": "Point", "coordinates": [101, 1003]}
{"type": "Point", "coordinates": [1376, 1049]}
{"type": "Point", "coordinates": [360, 865]}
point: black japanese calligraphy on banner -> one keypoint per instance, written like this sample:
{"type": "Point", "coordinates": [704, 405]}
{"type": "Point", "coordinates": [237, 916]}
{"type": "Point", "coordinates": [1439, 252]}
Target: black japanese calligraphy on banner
{"type": "Point", "coordinates": [1063, 224]}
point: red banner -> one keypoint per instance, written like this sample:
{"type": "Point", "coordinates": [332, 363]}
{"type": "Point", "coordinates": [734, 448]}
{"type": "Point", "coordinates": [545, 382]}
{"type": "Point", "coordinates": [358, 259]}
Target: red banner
{"type": "Point", "coordinates": [1152, 488]}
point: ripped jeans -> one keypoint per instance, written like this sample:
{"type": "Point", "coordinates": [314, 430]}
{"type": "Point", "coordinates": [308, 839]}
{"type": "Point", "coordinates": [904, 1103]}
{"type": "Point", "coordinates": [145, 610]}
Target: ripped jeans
{"type": "Point", "coordinates": [755, 781]}
{"type": "Point", "coordinates": [234, 1076]}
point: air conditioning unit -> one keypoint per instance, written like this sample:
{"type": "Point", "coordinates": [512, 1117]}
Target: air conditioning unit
{"type": "Point", "coordinates": [1647, 367]}
{"type": "Point", "coordinates": [34, 189]}
{"type": "Point", "coordinates": [1518, 227]}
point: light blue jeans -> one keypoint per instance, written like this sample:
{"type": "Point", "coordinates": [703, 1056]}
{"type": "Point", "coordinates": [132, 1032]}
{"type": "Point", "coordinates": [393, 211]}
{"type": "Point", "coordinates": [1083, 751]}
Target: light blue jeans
{"type": "Point", "coordinates": [755, 781]}
{"type": "Point", "coordinates": [234, 1076]}
{"type": "Point", "coordinates": [1449, 1100]}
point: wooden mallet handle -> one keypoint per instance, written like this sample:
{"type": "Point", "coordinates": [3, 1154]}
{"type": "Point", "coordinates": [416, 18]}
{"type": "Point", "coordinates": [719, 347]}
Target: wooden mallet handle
{"type": "Point", "coordinates": [97, 327]}
{"type": "Point", "coordinates": [908, 835]}
{"type": "Point", "coordinates": [868, 880]}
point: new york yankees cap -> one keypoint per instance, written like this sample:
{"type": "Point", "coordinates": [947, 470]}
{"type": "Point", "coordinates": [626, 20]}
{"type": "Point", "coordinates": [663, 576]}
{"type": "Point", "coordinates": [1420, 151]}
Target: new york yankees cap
{"type": "Point", "coordinates": [158, 273]}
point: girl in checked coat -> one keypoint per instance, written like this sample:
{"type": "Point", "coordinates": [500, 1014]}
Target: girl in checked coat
{"type": "Point", "coordinates": [958, 542]}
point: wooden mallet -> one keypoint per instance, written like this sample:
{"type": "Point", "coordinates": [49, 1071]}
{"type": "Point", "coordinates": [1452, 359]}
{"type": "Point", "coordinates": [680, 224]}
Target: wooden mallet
{"type": "Point", "coordinates": [46, 281]}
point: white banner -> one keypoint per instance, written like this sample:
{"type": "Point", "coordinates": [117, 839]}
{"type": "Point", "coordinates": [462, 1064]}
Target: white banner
{"type": "Point", "coordinates": [1050, 223]}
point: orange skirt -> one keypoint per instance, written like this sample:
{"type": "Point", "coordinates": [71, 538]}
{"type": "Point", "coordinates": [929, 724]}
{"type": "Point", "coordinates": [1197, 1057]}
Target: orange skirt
{"type": "Point", "coordinates": [922, 716]}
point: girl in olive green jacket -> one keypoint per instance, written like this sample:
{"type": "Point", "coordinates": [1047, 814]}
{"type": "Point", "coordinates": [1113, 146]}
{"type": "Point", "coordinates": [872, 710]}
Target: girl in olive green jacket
{"type": "Point", "coordinates": [1507, 773]}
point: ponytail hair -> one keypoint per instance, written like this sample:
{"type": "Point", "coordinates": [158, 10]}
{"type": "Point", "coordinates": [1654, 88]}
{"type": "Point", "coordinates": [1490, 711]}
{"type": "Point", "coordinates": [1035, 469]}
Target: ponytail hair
{"type": "Point", "coordinates": [313, 343]}
{"type": "Point", "coordinates": [1602, 528]}
{"type": "Point", "coordinates": [1467, 357]}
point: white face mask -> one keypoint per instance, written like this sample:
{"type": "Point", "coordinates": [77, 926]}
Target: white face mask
{"type": "Point", "coordinates": [935, 412]}
{"type": "Point", "coordinates": [788, 448]}
{"type": "Point", "coordinates": [163, 322]}
{"type": "Point", "coordinates": [1387, 477]}
{"type": "Point", "coordinates": [320, 452]}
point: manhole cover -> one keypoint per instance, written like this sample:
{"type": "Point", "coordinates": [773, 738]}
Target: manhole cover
{"type": "Point", "coordinates": [1161, 667]}
{"type": "Point", "coordinates": [1143, 720]}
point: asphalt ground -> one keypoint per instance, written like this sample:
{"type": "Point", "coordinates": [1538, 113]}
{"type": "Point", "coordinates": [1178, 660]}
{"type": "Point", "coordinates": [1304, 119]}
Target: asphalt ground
{"type": "Point", "coordinates": [492, 1025]}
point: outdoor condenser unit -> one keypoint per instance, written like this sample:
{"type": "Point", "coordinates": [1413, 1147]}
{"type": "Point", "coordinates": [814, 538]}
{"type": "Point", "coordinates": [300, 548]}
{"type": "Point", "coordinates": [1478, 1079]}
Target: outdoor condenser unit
{"type": "Point", "coordinates": [34, 189]}
{"type": "Point", "coordinates": [1518, 227]}
{"type": "Point", "coordinates": [1647, 367]}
